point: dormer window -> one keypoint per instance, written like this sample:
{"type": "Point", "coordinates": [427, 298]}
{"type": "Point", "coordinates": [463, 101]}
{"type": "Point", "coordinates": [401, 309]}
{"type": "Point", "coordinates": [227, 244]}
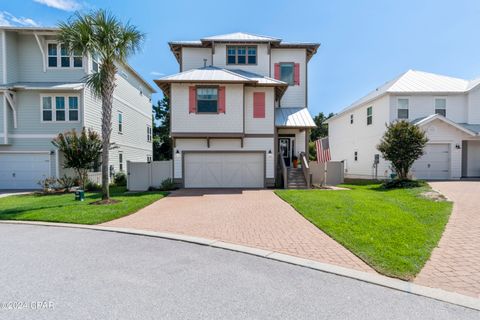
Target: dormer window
{"type": "Point", "coordinates": [241, 55]}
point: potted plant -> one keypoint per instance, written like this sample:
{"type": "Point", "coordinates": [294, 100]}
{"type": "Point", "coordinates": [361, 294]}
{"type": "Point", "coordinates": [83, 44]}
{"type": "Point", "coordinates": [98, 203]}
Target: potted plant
{"type": "Point", "coordinates": [295, 161]}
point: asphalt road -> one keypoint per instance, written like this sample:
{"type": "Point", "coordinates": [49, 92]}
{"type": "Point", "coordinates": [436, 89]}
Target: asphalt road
{"type": "Point", "coordinates": [62, 273]}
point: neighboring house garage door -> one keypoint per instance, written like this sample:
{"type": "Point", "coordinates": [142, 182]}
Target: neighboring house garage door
{"type": "Point", "coordinates": [23, 171]}
{"type": "Point", "coordinates": [224, 170]}
{"type": "Point", "coordinates": [434, 164]}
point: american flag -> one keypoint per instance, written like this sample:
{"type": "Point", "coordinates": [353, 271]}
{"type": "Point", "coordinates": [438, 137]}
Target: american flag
{"type": "Point", "coordinates": [323, 150]}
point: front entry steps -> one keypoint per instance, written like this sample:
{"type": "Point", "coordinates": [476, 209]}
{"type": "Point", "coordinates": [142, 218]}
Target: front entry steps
{"type": "Point", "coordinates": [296, 179]}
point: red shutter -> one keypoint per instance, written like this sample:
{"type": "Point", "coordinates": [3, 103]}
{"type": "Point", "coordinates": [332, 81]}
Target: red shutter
{"type": "Point", "coordinates": [277, 71]}
{"type": "Point", "coordinates": [259, 104]}
{"type": "Point", "coordinates": [296, 74]}
{"type": "Point", "coordinates": [221, 100]}
{"type": "Point", "coordinates": [192, 101]}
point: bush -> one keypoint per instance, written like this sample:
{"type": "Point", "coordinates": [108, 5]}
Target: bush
{"type": "Point", "coordinates": [66, 182]}
{"type": "Point", "coordinates": [403, 184]}
{"type": "Point", "coordinates": [92, 186]}
{"type": "Point", "coordinates": [167, 185]}
{"type": "Point", "coordinates": [48, 184]}
{"type": "Point", "coordinates": [120, 179]}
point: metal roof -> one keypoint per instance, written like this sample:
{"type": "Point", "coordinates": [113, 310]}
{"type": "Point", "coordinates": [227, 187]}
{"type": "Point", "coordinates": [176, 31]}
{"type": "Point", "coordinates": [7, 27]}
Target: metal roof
{"type": "Point", "coordinates": [414, 82]}
{"type": "Point", "coordinates": [207, 74]}
{"type": "Point", "coordinates": [258, 78]}
{"type": "Point", "coordinates": [242, 37]}
{"type": "Point", "coordinates": [43, 86]}
{"type": "Point", "coordinates": [293, 118]}
{"type": "Point", "coordinates": [472, 127]}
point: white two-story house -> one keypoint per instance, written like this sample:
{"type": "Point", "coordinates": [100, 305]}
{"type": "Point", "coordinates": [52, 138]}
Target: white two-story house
{"type": "Point", "coordinates": [447, 108]}
{"type": "Point", "coordinates": [238, 101]}
{"type": "Point", "coordinates": [43, 93]}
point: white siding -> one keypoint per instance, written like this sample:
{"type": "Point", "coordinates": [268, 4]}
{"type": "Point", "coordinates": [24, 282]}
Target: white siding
{"type": "Point", "coordinates": [295, 96]}
{"type": "Point", "coordinates": [250, 144]}
{"type": "Point", "coordinates": [424, 105]}
{"type": "Point", "coordinates": [259, 125]}
{"type": "Point", "coordinates": [262, 66]}
{"type": "Point", "coordinates": [12, 60]}
{"type": "Point", "coordinates": [230, 121]}
{"type": "Point", "coordinates": [193, 57]}
{"type": "Point", "coordinates": [346, 138]}
{"type": "Point", "coordinates": [2, 34]}
{"type": "Point", "coordinates": [474, 106]}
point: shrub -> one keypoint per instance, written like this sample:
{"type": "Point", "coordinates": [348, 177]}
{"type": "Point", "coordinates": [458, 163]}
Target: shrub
{"type": "Point", "coordinates": [403, 184]}
{"type": "Point", "coordinates": [120, 179]}
{"type": "Point", "coordinates": [167, 185]}
{"type": "Point", "coordinates": [92, 186]}
{"type": "Point", "coordinates": [48, 184]}
{"type": "Point", "coordinates": [66, 182]}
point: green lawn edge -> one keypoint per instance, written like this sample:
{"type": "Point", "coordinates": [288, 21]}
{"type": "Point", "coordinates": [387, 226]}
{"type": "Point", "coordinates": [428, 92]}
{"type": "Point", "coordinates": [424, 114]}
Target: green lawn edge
{"type": "Point", "coordinates": [393, 231]}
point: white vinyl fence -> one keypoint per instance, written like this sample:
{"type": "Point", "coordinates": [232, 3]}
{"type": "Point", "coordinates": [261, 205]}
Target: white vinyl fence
{"type": "Point", "coordinates": [143, 175]}
{"type": "Point", "coordinates": [95, 177]}
{"type": "Point", "coordinates": [335, 172]}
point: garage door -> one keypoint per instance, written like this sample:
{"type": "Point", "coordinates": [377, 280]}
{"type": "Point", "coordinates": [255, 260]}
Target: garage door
{"type": "Point", "coordinates": [434, 164]}
{"type": "Point", "coordinates": [224, 170]}
{"type": "Point", "coordinates": [23, 171]}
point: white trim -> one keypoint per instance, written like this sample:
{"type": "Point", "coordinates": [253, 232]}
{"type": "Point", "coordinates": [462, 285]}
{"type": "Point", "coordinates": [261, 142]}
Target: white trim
{"type": "Point", "coordinates": [11, 98]}
{"type": "Point", "coordinates": [446, 120]}
{"type": "Point", "coordinates": [4, 56]}
{"type": "Point", "coordinates": [27, 152]}
{"type": "Point", "coordinates": [131, 106]}
{"type": "Point", "coordinates": [41, 46]}
{"type": "Point", "coordinates": [397, 107]}
{"type": "Point", "coordinates": [54, 107]}
{"type": "Point", "coordinates": [29, 136]}
{"type": "Point", "coordinates": [132, 146]}
{"type": "Point", "coordinates": [57, 168]}
{"type": "Point", "coordinates": [5, 122]}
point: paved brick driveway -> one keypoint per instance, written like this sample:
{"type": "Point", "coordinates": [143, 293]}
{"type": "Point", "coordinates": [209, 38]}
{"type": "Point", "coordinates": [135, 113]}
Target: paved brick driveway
{"type": "Point", "coordinates": [256, 218]}
{"type": "Point", "coordinates": [455, 264]}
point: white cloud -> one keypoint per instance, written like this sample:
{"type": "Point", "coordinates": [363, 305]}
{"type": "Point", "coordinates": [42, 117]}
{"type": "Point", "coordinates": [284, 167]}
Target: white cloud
{"type": "Point", "coordinates": [65, 5]}
{"type": "Point", "coordinates": [156, 73]}
{"type": "Point", "coordinates": [8, 19]}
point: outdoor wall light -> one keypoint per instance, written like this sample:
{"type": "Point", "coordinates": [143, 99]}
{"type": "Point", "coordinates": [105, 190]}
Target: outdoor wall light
{"type": "Point", "coordinates": [178, 152]}
{"type": "Point", "coordinates": [270, 151]}
{"type": "Point", "coordinates": [457, 146]}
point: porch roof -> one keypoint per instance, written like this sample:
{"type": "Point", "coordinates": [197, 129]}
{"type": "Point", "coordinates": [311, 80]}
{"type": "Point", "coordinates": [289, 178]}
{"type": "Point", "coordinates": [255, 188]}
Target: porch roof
{"type": "Point", "coordinates": [467, 128]}
{"type": "Point", "coordinates": [43, 86]}
{"type": "Point", "coordinates": [293, 118]}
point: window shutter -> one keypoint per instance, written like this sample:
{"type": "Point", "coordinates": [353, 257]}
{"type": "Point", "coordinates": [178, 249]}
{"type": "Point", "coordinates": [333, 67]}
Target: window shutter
{"type": "Point", "coordinates": [221, 100]}
{"type": "Point", "coordinates": [192, 101]}
{"type": "Point", "coordinates": [259, 104]}
{"type": "Point", "coordinates": [296, 74]}
{"type": "Point", "coordinates": [277, 71]}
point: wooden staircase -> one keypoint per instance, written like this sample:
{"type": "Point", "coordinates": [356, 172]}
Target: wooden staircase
{"type": "Point", "coordinates": [296, 179]}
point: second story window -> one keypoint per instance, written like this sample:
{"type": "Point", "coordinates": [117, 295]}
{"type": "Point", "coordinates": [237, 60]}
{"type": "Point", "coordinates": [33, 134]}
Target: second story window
{"type": "Point", "coordinates": [60, 108]}
{"type": "Point", "coordinates": [369, 116]}
{"type": "Point", "coordinates": [120, 122]}
{"type": "Point", "coordinates": [286, 73]}
{"type": "Point", "coordinates": [149, 134]}
{"type": "Point", "coordinates": [441, 106]}
{"type": "Point", "coordinates": [59, 56]}
{"type": "Point", "coordinates": [402, 108]}
{"type": "Point", "coordinates": [207, 100]}
{"type": "Point", "coordinates": [95, 62]}
{"type": "Point", "coordinates": [241, 55]}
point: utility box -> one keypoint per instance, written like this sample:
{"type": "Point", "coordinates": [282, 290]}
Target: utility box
{"type": "Point", "coordinates": [79, 195]}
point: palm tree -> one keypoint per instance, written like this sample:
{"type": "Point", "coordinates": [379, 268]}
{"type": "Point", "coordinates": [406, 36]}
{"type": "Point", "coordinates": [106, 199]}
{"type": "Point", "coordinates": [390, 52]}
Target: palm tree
{"type": "Point", "coordinates": [101, 34]}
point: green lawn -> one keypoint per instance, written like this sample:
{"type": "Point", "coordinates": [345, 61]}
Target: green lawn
{"type": "Point", "coordinates": [393, 231]}
{"type": "Point", "coordinates": [63, 207]}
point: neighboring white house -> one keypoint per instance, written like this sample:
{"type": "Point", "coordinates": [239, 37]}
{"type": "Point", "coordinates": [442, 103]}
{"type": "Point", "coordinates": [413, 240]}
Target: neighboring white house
{"type": "Point", "coordinates": [447, 108]}
{"type": "Point", "coordinates": [237, 101]}
{"type": "Point", "coordinates": [43, 93]}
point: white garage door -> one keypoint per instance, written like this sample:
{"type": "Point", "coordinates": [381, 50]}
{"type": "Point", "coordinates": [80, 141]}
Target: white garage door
{"type": "Point", "coordinates": [23, 171]}
{"type": "Point", "coordinates": [434, 164]}
{"type": "Point", "coordinates": [224, 170]}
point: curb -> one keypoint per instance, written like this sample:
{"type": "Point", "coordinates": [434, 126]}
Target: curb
{"type": "Point", "coordinates": [404, 286]}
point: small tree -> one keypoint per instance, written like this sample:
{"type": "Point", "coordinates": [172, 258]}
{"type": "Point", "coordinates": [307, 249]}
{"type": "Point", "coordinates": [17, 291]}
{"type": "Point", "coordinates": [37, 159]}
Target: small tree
{"type": "Point", "coordinates": [81, 152]}
{"type": "Point", "coordinates": [162, 142]}
{"type": "Point", "coordinates": [402, 144]}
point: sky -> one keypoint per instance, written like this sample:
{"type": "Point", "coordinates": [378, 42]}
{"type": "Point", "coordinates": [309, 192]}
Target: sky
{"type": "Point", "coordinates": [363, 43]}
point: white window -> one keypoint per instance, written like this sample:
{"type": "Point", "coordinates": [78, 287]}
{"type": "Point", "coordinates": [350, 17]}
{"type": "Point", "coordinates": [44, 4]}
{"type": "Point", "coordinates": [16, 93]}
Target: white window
{"type": "Point", "coordinates": [59, 108]}
{"type": "Point", "coordinates": [60, 56]}
{"type": "Point", "coordinates": [149, 134]}
{"type": "Point", "coordinates": [120, 122]}
{"type": "Point", "coordinates": [441, 106]}
{"type": "Point", "coordinates": [149, 158]}
{"type": "Point", "coordinates": [402, 108]}
{"type": "Point", "coordinates": [95, 62]}
{"type": "Point", "coordinates": [369, 116]}
{"type": "Point", "coordinates": [120, 161]}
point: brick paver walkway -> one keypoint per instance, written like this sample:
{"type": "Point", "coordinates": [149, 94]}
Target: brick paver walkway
{"type": "Point", "coordinates": [256, 218]}
{"type": "Point", "coordinates": [455, 264]}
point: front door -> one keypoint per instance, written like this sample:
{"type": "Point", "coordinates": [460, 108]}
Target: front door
{"type": "Point", "coordinates": [284, 147]}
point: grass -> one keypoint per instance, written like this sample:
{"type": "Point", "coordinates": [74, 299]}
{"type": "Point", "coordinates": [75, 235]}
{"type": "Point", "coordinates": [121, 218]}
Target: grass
{"type": "Point", "coordinates": [394, 231]}
{"type": "Point", "coordinates": [64, 208]}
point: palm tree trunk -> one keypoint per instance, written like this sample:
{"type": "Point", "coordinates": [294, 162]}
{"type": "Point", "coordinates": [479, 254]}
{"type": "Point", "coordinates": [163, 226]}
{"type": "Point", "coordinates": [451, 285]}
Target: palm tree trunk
{"type": "Point", "coordinates": [107, 102]}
